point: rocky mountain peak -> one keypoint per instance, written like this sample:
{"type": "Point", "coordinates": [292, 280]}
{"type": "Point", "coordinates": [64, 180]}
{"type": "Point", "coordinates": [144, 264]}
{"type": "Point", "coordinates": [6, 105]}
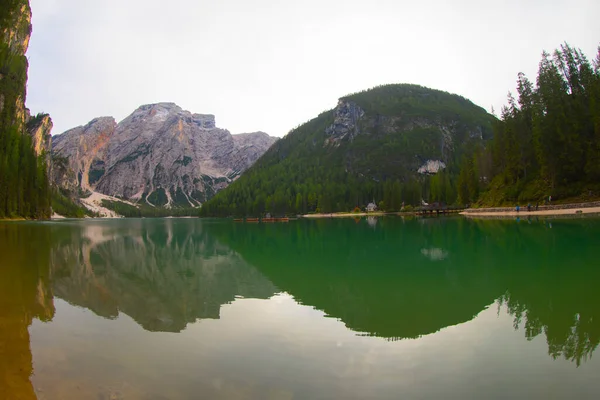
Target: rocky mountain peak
{"type": "Point", "coordinates": [161, 155]}
{"type": "Point", "coordinates": [155, 113]}
{"type": "Point", "coordinates": [252, 134]}
{"type": "Point", "coordinates": [163, 105]}
{"type": "Point", "coordinates": [100, 124]}
{"type": "Point", "coordinates": [159, 113]}
{"type": "Point", "coordinates": [253, 139]}
{"type": "Point", "coordinates": [206, 121]}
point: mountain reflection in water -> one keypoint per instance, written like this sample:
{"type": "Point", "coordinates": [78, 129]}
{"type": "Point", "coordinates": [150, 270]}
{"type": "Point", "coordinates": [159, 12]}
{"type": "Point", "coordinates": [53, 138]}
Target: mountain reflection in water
{"type": "Point", "coordinates": [395, 279]}
{"type": "Point", "coordinates": [379, 283]}
{"type": "Point", "coordinates": [164, 276]}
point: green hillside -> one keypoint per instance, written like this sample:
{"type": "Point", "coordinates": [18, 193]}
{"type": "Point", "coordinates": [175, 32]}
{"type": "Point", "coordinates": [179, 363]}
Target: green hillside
{"type": "Point", "coordinates": [368, 148]}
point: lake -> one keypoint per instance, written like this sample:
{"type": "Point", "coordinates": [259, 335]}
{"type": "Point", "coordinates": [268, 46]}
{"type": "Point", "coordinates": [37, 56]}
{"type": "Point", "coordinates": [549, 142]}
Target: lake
{"type": "Point", "coordinates": [369, 308]}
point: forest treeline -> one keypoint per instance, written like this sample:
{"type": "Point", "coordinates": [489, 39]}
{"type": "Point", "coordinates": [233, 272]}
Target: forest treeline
{"type": "Point", "coordinates": [547, 141]}
{"type": "Point", "coordinates": [24, 184]}
{"type": "Point", "coordinates": [146, 211]}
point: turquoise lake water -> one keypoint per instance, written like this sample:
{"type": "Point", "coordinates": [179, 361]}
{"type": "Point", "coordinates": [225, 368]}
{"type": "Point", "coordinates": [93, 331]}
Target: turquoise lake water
{"type": "Point", "coordinates": [387, 308]}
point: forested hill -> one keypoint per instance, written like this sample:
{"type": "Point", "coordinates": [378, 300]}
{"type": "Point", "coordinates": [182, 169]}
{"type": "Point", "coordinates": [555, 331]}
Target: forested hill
{"type": "Point", "coordinates": [547, 143]}
{"type": "Point", "coordinates": [24, 186]}
{"type": "Point", "coordinates": [382, 144]}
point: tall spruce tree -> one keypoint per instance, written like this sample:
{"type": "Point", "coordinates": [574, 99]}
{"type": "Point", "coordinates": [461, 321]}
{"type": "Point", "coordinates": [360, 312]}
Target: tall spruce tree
{"type": "Point", "coordinates": [548, 139]}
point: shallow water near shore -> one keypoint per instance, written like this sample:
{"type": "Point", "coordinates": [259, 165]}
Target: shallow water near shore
{"type": "Point", "coordinates": [381, 308]}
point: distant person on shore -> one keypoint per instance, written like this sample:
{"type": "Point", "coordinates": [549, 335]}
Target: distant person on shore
{"type": "Point", "coordinates": [528, 207]}
{"type": "Point", "coordinates": [518, 208]}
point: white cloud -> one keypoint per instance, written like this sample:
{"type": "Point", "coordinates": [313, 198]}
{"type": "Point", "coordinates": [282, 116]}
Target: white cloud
{"type": "Point", "coordinates": [271, 65]}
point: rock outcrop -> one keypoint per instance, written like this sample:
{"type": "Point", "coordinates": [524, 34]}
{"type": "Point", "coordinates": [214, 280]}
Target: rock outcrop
{"type": "Point", "coordinates": [345, 124]}
{"type": "Point", "coordinates": [15, 31]}
{"type": "Point", "coordinates": [431, 167]}
{"type": "Point", "coordinates": [252, 146]}
{"type": "Point", "coordinates": [83, 149]}
{"type": "Point", "coordinates": [40, 130]}
{"type": "Point", "coordinates": [24, 189]}
{"type": "Point", "coordinates": [160, 155]}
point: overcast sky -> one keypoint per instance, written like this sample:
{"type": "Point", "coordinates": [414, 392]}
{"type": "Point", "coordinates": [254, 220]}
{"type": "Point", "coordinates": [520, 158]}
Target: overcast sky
{"type": "Point", "coordinates": [271, 65]}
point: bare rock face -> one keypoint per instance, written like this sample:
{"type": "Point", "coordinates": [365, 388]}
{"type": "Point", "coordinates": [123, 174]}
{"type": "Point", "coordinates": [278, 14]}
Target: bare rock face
{"type": "Point", "coordinates": [15, 31]}
{"type": "Point", "coordinates": [160, 155]}
{"type": "Point", "coordinates": [40, 128]}
{"type": "Point", "coordinates": [79, 153]}
{"type": "Point", "coordinates": [431, 167]}
{"type": "Point", "coordinates": [206, 121]}
{"type": "Point", "coordinates": [345, 125]}
{"type": "Point", "coordinates": [249, 148]}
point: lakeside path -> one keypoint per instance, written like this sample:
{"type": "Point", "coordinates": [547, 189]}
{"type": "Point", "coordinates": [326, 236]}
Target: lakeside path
{"type": "Point", "coordinates": [560, 209]}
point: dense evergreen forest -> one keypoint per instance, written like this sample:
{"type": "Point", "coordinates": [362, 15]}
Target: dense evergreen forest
{"type": "Point", "coordinates": [146, 211]}
{"type": "Point", "coordinates": [403, 125]}
{"type": "Point", "coordinates": [547, 142]}
{"type": "Point", "coordinates": [63, 204]}
{"type": "Point", "coordinates": [24, 185]}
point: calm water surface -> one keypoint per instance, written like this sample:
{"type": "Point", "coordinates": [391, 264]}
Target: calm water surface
{"type": "Point", "coordinates": [366, 309]}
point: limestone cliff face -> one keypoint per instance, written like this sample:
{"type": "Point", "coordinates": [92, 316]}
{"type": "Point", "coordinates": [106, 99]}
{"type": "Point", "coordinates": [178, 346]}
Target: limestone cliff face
{"type": "Point", "coordinates": [16, 26]}
{"type": "Point", "coordinates": [345, 125]}
{"type": "Point", "coordinates": [160, 155]}
{"type": "Point", "coordinates": [249, 147]}
{"type": "Point", "coordinates": [82, 150]}
{"type": "Point", "coordinates": [40, 128]}
{"type": "Point", "coordinates": [15, 31]}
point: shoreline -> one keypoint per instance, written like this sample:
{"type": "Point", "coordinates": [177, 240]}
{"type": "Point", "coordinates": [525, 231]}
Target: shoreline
{"type": "Point", "coordinates": [560, 211]}
{"type": "Point", "coordinates": [573, 209]}
{"type": "Point", "coordinates": [346, 215]}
